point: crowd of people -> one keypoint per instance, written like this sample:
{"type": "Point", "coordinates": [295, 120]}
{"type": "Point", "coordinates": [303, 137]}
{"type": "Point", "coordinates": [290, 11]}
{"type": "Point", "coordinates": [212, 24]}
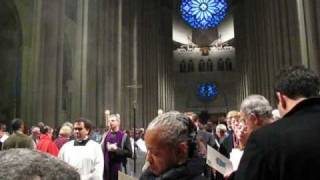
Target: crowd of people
{"type": "Point", "coordinates": [262, 143]}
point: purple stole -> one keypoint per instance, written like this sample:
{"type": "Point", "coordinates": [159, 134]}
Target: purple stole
{"type": "Point", "coordinates": [112, 167]}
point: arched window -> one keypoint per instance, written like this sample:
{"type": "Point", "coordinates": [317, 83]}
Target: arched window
{"type": "Point", "coordinates": [201, 65]}
{"type": "Point", "coordinates": [228, 64]}
{"type": "Point", "coordinates": [183, 66]}
{"type": "Point", "coordinates": [220, 65]}
{"type": "Point", "coordinates": [190, 67]}
{"type": "Point", "coordinates": [209, 65]}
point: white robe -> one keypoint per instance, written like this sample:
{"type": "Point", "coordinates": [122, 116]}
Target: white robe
{"type": "Point", "coordinates": [88, 159]}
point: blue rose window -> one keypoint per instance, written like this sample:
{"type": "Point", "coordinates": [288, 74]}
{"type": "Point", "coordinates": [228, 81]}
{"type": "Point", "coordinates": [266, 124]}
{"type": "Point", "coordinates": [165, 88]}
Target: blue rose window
{"type": "Point", "coordinates": [203, 14]}
{"type": "Point", "coordinates": [207, 91]}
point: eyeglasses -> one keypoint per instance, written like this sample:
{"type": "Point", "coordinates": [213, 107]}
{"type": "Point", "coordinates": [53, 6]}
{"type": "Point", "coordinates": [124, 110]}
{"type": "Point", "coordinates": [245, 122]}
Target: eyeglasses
{"type": "Point", "coordinates": [79, 129]}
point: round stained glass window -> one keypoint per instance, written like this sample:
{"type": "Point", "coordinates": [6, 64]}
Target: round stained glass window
{"type": "Point", "coordinates": [207, 91]}
{"type": "Point", "coordinates": [203, 14]}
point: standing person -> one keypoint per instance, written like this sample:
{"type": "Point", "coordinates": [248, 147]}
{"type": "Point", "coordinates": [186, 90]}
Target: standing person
{"type": "Point", "coordinates": [3, 134]}
{"type": "Point", "coordinates": [18, 139]}
{"type": "Point", "coordinates": [232, 117]}
{"type": "Point", "coordinates": [204, 138]}
{"type": "Point", "coordinates": [116, 149]}
{"type": "Point", "coordinates": [288, 148]}
{"type": "Point", "coordinates": [35, 134]}
{"type": "Point", "coordinates": [82, 153]}
{"type": "Point", "coordinates": [255, 112]}
{"type": "Point", "coordinates": [45, 143]}
{"type": "Point", "coordinates": [221, 145]}
{"type": "Point", "coordinates": [65, 133]}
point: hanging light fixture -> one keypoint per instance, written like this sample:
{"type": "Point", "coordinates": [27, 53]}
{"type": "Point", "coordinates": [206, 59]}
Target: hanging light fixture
{"type": "Point", "coordinates": [203, 14]}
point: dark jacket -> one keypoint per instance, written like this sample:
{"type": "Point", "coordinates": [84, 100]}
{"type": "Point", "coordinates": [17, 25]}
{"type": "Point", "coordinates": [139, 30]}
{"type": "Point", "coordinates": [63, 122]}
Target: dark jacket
{"type": "Point", "coordinates": [288, 149]}
{"type": "Point", "coordinates": [192, 170]}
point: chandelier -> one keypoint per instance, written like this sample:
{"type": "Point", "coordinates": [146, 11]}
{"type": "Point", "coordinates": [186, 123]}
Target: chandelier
{"type": "Point", "coordinates": [203, 14]}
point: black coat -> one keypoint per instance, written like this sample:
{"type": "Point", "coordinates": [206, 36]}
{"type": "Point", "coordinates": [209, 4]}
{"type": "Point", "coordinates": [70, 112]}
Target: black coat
{"type": "Point", "coordinates": [192, 170]}
{"type": "Point", "coordinates": [288, 149]}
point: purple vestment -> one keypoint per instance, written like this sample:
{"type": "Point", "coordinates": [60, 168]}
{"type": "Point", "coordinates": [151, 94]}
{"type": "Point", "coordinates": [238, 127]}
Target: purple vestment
{"type": "Point", "coordinates": [112, 164]}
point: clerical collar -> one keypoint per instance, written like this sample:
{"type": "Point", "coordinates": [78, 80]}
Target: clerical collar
{"type": "Point", "coordinates": [81, 143]}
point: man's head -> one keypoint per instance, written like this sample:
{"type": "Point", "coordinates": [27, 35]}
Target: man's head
{"type": "Point", "coordinates": [221, 130]}
{"type": "Point", "coordinates": [293, 85]}
{"type": "Point", "coordinates": [82, 128]}
{"type": "Point", "coordinates": [17, 125]}
{"type": "Point", "coordinates": [256, 112]}
{"type": "Point", "coordinates": [209, 127]}
{"type": "Point", "coordinates": [194, 117]}
{"type": "Point", "coordinates": [114, 122]}
{"type": "Point", "coordinates": [232, 118]}
{"type": "Point", "coordinates": [26, 164]}
{"type": "Point", "coordinates": [45, 130]}
{"type": "Point", "coordinates": [35, 131]}
{"type": "Point", "coordinates": [169, 141]}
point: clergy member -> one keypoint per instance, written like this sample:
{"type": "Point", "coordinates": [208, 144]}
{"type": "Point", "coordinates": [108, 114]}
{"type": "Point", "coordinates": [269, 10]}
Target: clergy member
{"type": "Point", "coordinates": [82, 153]}
{"type": "Point", "coordinates": [116, 149]}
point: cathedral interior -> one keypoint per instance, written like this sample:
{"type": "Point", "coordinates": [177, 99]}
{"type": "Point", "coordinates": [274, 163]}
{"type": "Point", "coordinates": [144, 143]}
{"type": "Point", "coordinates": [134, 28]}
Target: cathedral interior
{"type": "Point", "coordinates": [65, 59]}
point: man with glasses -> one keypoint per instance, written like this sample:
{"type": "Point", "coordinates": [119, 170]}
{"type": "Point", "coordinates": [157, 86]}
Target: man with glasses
{"type": "Point", "coordinates": [82, 153]}
{"type": "Point", "coordinates": [288, 148]}
{"type": "Point", "coordinates": [256, 112]}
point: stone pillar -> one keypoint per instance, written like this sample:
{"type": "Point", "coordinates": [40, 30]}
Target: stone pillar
{"type": "Point", "coordinates": [31, 110]}
{"type": "Point", "coordinates": [48, 60]}
{"type": "Point", "coordinates": [309, 13]}
{"type": "Point", "coordinates": [270, 35]}
{"type": "Point", "coordinates": [155, 59]}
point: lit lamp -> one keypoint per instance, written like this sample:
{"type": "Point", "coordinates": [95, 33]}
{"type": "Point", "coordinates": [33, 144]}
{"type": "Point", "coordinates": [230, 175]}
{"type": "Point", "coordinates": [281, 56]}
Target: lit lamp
{"type": "Point", "coordinates": [107, 112]}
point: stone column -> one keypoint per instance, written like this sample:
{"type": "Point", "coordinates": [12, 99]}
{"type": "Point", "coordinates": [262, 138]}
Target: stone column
{"type": "Point", "coordinates": [269, 35]}
{"type": "Point", "coordinates": [309, 13]}
{"type": "Point", "coordinates": [50, 61]}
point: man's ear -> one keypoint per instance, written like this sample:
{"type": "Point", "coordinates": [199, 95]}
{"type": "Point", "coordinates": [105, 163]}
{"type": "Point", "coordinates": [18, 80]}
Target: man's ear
{"type": "Point", "coordinates": [282, 100]}
{"type": "Point", "coordinates": [255, 119]}
{"type": "Point", "coordinates": [182, 149]}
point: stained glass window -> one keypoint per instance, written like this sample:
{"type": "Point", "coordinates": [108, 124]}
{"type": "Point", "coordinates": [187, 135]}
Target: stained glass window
{"type": "Point", "coordinates": [203, 14]}
{"type": "Point", "coordinates": [207, 91]}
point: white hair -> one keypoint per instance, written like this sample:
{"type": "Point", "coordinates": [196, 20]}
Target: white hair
{"type": "Point", "coordinates": [221, 127]}
{"type": "Point", "coordinates": [115, 116]}
{"type": "Point", "coordinates": [65, 131]}
{"type": "Point", "coordinates": [257, 105]}
{"type": "Point", "coordinates": [174, 127]}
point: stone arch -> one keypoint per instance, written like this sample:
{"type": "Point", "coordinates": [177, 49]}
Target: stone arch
{"type": "Point", "coordinates": [190, 66]}
{"type": "Point", "coordinates": [220, 65]}
{"type": "Point", "coordinates": [209, 65]}
{"type": "Point", "coordinates": [183, 66]}
{"type": "Point", "coordinates": [201, 66]}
